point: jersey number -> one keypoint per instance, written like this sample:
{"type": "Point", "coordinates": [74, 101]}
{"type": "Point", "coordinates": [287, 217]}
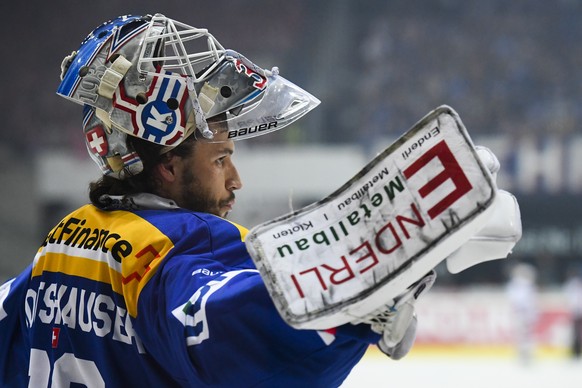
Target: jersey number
{"type": "Point", "coordinates": [66, 370]}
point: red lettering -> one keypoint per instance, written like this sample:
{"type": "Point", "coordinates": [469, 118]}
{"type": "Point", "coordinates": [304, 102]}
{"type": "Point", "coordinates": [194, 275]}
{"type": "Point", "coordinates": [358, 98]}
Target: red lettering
{"type": "Point", "coordinates": [296, 283]}
{"type": "Point", "coordinates": [418, 221]}
{"type": "Point", "coordinates": [380, 241]}
{"type": "Point", "coordinates": [335, 271]}
{"type": "Point", "coordinates": [360, 259]}
{"type": "Point", "coordinates": [370, 254]}
{"type": "Point", "coordinates": [452, 170]}
{"type": "Point", "coordinates": [317, 274]}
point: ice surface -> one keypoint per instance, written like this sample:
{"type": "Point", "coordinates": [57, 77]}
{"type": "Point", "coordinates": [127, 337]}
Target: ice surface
{"type": "Point", "coordinates": [452, 371]}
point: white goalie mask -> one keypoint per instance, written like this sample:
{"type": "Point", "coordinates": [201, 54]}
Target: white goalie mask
{"type": "Point", "coordinates": [161, 80]}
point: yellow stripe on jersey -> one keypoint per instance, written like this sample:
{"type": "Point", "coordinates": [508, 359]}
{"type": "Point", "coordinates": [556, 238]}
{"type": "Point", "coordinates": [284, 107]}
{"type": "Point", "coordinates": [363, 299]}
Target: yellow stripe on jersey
{"type": "Point", "coordinates": [97, 245]}
{"type": "Point", "coordinates": [243, 231]}
{"type": "Point", "coordinates": [78, 266]}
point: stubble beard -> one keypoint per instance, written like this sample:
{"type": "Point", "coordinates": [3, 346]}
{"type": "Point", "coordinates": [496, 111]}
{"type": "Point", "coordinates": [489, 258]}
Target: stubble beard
{"type": "Point", "coordinates": [196, 199]}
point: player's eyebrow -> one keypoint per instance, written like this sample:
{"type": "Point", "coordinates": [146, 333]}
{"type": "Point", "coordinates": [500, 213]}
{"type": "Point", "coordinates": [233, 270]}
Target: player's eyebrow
{"type": "Point", "coordinates": [225, 150]}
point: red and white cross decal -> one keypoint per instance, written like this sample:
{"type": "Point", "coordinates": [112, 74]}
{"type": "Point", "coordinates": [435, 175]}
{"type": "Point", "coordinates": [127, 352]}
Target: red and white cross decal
{"type": "Point", "coordinates": [55, 337]}
{"type": "Point", "coordinates": [97, 141]}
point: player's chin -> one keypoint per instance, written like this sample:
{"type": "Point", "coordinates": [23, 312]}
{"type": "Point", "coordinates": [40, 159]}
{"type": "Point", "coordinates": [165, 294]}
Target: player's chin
{"type": "Point", "coordinates": [225, 211]}
{"type": "Point", "coordinates": [225, 207]}
{"type": "Point", "coordinates": [222, 211]}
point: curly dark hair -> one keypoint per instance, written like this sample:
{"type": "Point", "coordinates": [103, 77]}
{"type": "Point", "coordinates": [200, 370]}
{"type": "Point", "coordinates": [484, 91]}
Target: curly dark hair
{"type": "Point", "coordinates": [144, 182]}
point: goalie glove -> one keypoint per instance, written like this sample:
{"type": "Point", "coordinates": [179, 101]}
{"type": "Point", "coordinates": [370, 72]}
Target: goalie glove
{"type": "Point", "coordinates": [396, 321]}
{"type": "Point", "coordinates": [498, 237]}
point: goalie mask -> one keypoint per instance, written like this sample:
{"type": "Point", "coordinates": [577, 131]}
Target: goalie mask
{"type": "Point", "coordinates": [161, 80]}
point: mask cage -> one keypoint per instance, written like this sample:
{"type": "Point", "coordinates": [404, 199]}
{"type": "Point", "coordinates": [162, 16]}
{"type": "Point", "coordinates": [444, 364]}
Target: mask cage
{"type": "Point", "coordinates": [185, 50]}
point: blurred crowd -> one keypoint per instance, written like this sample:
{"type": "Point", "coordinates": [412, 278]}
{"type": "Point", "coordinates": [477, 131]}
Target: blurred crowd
{"type": "Point", "coordinates": [378, 66]}
{"type": "Point", "coordinates": [510, 67]}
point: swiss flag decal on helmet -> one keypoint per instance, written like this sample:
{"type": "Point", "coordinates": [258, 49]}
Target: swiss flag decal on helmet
{"type": "Point", "coordinates": [97, 141]}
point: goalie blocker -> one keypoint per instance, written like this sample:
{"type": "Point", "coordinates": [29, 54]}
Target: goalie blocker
{"type": "Point", "coordinates": [417, 203]}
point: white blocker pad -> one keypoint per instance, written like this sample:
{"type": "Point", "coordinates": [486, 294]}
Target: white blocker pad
{"type": "Point", "coordinates": [407, 210]}
{"type": "Point", "coordinates": [495, 240]}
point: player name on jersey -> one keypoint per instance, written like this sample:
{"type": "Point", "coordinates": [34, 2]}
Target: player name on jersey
{"type": "Point", "coordinates": [78, 309]}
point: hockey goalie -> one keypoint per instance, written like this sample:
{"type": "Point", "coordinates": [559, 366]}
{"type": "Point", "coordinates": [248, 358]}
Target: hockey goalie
{"type": "Point", "coordinates": [149, 284]}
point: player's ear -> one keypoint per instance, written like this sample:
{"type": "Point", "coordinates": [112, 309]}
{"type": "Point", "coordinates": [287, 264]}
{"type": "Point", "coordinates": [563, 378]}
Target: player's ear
{"type": "Point", "coordinates": [166, 170]}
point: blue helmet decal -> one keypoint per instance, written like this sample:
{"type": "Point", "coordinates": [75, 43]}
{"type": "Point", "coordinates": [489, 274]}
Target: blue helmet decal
{"type": "Point", "coordinates": [88, 63]}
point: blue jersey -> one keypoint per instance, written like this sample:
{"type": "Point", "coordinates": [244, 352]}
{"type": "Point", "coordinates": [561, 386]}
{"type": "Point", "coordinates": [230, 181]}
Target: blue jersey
{"type": "Point", "coordinates": [158, 298]}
